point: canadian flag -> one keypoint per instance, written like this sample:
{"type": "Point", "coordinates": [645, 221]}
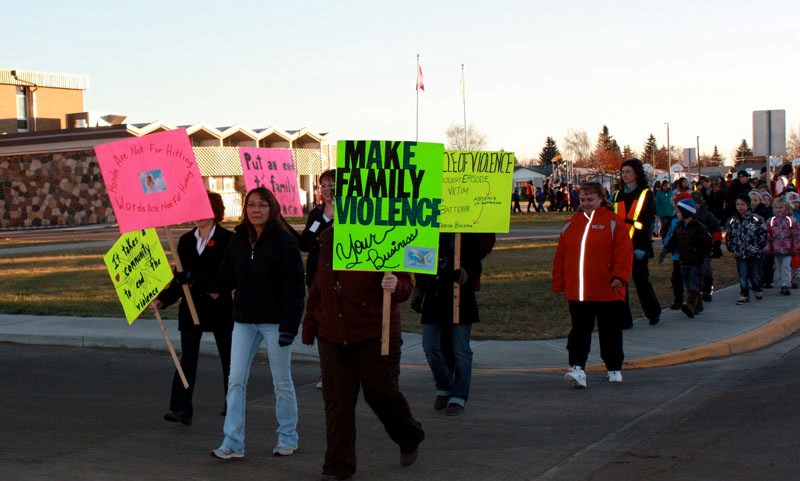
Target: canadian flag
{"type": "Point", "coordinates": [420, 83]}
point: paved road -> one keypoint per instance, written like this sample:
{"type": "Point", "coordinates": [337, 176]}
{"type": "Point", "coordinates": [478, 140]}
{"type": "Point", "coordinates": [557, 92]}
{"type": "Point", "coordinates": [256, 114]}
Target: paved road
{"type": "Point", "coordinates": [81, 414]}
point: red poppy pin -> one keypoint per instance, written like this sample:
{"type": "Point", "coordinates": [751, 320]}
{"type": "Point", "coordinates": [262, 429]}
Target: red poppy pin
{"type": "Point", "coordinates": [210, 243]}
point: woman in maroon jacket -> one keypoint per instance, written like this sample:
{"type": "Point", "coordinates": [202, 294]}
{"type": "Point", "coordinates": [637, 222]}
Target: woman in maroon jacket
{"type": "Point", "coordinates": [344, 313]}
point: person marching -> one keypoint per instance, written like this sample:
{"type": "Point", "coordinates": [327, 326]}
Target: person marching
{"type": "Point", "coordinates": [783, 241]}
{"type": "Point", "coordinates": [591, 267]}
{"type": "Point", "coordinates": [263, 264]}
{"type": "Point", "coordinates": [433, 297]}
{"type": "Point", "coordinates": [693, 243]}
{"type": "Point", "coordinates": [746, 239]}
{"type": "Point", "coordinates": [633, 203]}
{"type": "Point", "coordinates": [200, 250]}
{"type": "Point", "coordinates": [344, 315]}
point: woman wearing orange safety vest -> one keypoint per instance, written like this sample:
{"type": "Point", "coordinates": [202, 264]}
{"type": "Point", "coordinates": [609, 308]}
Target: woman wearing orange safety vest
{"type": "Point", "coordinates": [634, 205]}
{"type": "Point", "coordinates": [592, 265]}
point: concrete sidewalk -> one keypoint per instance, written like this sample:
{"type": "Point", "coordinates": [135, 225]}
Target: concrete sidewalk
{"type": "Point", "coordinates": [722, 329]}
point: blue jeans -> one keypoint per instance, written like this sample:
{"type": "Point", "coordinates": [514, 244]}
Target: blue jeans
{"type": "Point", "coordinates": [749, 274]}
{"type": "Point", "coordinates": [246, 341]}
{"type": "Point", "coordinates": [456, 383]}
{"type": "Point", "coordinates": [692, 278]}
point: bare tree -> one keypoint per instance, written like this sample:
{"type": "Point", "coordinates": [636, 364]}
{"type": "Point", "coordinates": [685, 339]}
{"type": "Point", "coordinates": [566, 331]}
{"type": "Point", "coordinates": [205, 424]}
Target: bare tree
{"type": "Point", "coordinates": [793, 143]}
{"type": "Point", "coordinates": [577, 147]}
{"type": "Point", "coordinates": [455, 138]}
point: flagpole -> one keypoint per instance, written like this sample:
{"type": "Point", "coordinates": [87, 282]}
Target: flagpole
{"type": "Point", "coordinates": [464, 102]}
{"type": "Point", "coordinates": [417, 131]}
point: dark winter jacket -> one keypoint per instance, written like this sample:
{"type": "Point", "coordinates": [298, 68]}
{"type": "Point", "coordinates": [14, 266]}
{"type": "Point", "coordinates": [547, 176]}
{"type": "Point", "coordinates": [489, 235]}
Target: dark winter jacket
{"type": "Point", "coordinates": [267, 276]}
{"type": "Point", "coordinates": [746, 236]}
{"type": "Point", "coordinates": [309, 239]}
{"type": "Point", "coordinates": [346, 307]}
{"type": "Point", "coordinates": [692, 241]}
{"type": "Point", "coordinates": [437, 307]}
{"type": "Point", "coordinates": [214, 314]}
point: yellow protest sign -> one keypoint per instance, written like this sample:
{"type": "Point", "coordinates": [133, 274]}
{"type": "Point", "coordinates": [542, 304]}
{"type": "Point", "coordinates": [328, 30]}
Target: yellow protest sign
{"type": "Point", "coordinates": [139, 270]}
{"type": "Point", "coordinates": [476, 191]}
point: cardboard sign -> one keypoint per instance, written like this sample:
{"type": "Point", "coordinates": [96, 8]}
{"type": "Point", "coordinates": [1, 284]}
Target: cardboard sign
{"type": "Point", "coordinates": [139, 270]}
{"type": "Point", "coordinates": [388, 196]}
{"type": "Point", "coordinates": [275, 170]}
{"type": "Point", "coordinates": [476, 191]}
{"type": "Point", "coordinates": [153, 181]}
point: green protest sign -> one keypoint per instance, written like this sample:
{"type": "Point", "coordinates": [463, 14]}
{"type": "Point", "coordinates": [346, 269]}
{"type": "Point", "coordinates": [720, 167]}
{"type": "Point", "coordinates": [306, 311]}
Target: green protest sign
{"type": "Point", "coordinates": [139, 270]}
{"type": "Point", "coordinates": [388, 196]}
{"type": "Point", "coordinates": [476, 191]}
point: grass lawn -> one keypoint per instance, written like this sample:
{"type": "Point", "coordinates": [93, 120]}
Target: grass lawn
{"type": "Point", "coordinates": [515, 299]}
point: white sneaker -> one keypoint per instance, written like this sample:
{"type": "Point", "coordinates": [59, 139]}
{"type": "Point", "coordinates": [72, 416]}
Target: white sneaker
{"type": "Point", "coordinates": [224, 452]}
{"type": "Point", "coordinates": [614, 376]}
{"type": "Point", "coordinates": [576, 376]}
{"type": "Point", "coordinates": [284, 450]}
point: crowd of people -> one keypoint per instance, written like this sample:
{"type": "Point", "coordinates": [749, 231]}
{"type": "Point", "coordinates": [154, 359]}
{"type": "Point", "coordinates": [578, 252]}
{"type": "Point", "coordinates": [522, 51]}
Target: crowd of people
{"type": "Point", "coordinates": [603, 247]}
{"type": "Point", "coordinates": [755, 219]}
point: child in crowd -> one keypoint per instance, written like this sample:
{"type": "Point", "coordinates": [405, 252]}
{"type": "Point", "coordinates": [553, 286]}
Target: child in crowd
{"type": "Point", "coordinates": [746, 239]}
{"type": "Point", "coordinates": [783, 241]}
{"type": "Point", "coordinates": [693, 243]}
{"type": "Point", "coordinates": [676, 278]}
{"type": "Point", "coordinates": [794, 203]}
{"type": "Point", "coordinates": [764, 209]}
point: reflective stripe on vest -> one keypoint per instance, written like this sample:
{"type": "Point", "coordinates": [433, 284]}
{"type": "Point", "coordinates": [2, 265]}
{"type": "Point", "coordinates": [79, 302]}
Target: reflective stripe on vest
{"type": "Point", "coordinates": [637, 209]}
{"type": "Point", "coordinates": [583, 254]}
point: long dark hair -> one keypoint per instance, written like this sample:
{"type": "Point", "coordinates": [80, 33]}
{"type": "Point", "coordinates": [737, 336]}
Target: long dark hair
{"type": "Point", "coordinates": [274, 209]}
{"type": "Point", "coordinates": [638, 169]}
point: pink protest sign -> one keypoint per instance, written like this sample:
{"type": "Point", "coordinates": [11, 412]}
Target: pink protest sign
{"type": "Point", "coordinates": [273, 169]}
{"type": "Point", "coordinates": [153, 181]}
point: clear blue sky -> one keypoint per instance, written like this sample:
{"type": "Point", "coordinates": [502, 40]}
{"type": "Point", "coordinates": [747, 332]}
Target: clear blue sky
{"type": "Point", "coordinates": [533, 68]}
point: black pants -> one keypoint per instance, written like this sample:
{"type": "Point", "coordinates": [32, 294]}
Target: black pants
{"type": "Point", "coordinates": [346, 369]}
{"type": "Point", "coordinates": [647, 296]}
{"type": "Point", "coordinates": [609, 331]}
{"type": "Point", "coordinates": [676, 279]}
{"type": "Point", "coordinates": [181, 399]}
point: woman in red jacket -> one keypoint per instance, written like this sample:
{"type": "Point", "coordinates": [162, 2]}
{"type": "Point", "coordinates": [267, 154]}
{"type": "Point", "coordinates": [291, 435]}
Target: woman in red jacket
{"type": "Point", "coordinates": [591, 267]}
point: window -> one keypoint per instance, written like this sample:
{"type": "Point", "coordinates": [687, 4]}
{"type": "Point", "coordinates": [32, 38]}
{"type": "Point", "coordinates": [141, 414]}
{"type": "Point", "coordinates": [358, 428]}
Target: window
{"type": "Point", "coordinates": [22, 109]}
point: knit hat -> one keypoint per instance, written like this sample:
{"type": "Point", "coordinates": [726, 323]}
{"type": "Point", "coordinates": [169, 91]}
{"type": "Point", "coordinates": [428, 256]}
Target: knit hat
{"type": "Point", "coordinates": [792, 196]}
{"type": "Point", "coordinates": [680, 196]}
{"type": "Point", "coordinates": [687, 207]}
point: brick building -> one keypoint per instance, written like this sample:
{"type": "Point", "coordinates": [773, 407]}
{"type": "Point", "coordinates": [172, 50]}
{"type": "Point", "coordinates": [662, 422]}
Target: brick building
{"type": "Point", "coordinates": [49, 173]}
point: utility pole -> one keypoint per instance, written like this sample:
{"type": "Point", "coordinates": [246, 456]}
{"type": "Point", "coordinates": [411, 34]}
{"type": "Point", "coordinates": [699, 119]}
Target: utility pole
{"type": "Point", "coordinates": [669, 156]}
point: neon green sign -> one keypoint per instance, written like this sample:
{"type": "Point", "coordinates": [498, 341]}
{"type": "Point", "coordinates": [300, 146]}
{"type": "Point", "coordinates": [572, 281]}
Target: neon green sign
{"type": "Point", "coordinates": [388, 201]}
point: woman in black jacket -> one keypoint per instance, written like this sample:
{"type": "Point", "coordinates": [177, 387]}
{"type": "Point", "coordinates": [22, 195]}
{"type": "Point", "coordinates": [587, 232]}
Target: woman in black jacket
{"type": "Point", "coordinates": [263, 265]}
{"type": "Point", "coordinates": [200, 250]}
{"type": "Point", "coordinates": [319, 219]}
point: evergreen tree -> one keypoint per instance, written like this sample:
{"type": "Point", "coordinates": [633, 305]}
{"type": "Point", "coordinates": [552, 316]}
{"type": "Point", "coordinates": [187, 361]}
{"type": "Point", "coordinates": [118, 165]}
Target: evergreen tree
{"type": "Point", "coordinates": [549, 151]}
{"type": "Point", "coordinates": [606, 156]}
{"type": "Point", "coordinates": [650, 150]}
{"type": "Point", "coordinates": [628, 153]}
{"type": "Point", "coordinates": [715, 159]}
{"type": "Point", "coordinates": [743, 151]}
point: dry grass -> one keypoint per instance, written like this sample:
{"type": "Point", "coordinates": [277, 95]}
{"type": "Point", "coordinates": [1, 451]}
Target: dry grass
{"type": "Point", "coordinates": [515, 299]}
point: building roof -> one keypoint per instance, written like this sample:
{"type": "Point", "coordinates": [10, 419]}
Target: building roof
{"type": "Point", "coordinates": [44, 79]}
